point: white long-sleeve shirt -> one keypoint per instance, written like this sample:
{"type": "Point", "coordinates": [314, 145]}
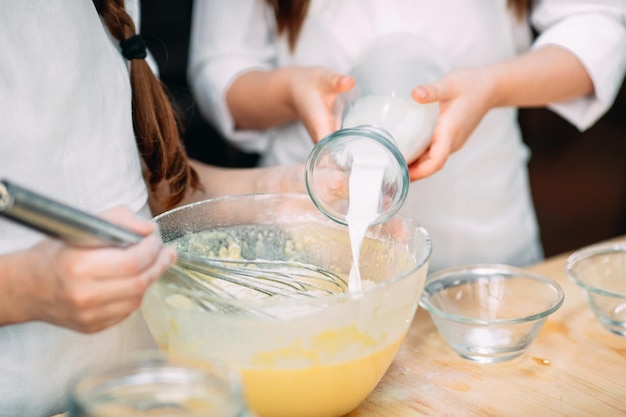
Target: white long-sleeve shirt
{"type": "Point", "coordinates": [478, 208]}
{"type": "Point", "coordinates": [65, 131]}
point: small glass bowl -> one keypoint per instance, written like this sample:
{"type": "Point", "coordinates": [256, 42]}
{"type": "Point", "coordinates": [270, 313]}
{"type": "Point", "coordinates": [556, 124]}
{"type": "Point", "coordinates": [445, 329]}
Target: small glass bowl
{"type": "Point", "coordinates": [489, 313]}
{"type": "Point", "coordinates": [150, 383]}
{"type": "Point", "coordinates": [600, 270]}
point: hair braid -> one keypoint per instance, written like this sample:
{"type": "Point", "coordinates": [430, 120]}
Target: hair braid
{"type": "Point", "coordinates": [156, 123]}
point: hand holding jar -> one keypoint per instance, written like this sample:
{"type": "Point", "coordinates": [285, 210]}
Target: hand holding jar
{"type": "Point", "coordinates": [379, 115]}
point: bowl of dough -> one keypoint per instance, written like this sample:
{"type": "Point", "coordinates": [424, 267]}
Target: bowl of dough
{"type": "Point", "coordinates": [307, 349]}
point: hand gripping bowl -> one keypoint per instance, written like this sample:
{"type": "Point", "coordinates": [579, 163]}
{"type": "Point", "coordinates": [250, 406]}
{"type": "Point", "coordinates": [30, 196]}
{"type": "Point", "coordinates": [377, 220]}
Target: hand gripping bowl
{"type": "Point", "coordinates": [319, 356]}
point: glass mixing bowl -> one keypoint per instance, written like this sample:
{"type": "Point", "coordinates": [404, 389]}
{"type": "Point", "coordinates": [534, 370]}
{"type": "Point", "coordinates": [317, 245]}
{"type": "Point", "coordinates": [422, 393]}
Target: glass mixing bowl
{"type": "Point", "coordinates": [317, 356]}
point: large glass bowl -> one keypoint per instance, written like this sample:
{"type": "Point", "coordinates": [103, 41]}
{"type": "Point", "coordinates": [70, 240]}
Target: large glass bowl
{"type": "Point", "coordinates": [317, 357]}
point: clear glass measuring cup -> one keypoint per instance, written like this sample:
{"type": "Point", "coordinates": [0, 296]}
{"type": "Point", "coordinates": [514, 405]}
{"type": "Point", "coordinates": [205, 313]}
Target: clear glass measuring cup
{"type": "Point", "coordinates": [379, 115]}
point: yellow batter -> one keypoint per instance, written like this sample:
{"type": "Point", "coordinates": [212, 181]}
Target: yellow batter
{"type": "Point", "coordinates": [322, 389]}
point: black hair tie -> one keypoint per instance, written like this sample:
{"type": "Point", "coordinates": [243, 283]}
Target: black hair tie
{"type": "Point", "coordinates": [133, 47]}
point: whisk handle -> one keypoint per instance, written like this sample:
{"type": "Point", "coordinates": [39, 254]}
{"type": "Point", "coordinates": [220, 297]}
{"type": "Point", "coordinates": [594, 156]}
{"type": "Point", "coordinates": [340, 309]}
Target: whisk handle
{"type": "Point", "coordinates": [60, 221]}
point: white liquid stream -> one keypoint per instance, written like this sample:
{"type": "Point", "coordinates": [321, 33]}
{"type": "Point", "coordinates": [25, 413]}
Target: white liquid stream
{"type": "Point", "coordinates": [411, 125]}
{"type": "Point", "coordinates": [366, 178]}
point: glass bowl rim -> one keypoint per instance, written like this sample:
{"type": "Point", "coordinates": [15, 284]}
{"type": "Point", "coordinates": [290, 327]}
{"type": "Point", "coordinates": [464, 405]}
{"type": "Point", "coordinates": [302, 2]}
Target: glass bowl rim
{"type": "Point", "coordinates": [313, 301]}
{"type": "Point", "coordinates": [502, 269]}
{"type": "Point", "coordinates": [587, 253]}
{"type": "Point", "coordinates": [347, 134]}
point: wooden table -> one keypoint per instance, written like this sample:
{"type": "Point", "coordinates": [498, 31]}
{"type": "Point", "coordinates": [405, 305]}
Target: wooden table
{"type": "Point", "coordinates": [573, 368]}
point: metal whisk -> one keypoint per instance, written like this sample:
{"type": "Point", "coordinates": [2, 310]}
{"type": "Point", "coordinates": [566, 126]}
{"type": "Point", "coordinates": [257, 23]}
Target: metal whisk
{"type": "Point", "coordinates": [195, 273]}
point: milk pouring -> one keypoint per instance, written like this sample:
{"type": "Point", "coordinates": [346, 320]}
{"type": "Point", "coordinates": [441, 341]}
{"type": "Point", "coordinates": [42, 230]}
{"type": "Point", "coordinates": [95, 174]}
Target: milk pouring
{"type": "Point", "coordinates": [383, 128]}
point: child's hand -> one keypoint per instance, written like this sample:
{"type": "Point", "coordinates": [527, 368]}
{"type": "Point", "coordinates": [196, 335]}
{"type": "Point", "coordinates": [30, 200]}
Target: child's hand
{"type": "Point", "coordinates": [91, 289]}
{"type": "Point", "coordinates": [314, 93]}
{"type": "Point", "coordinates": [464, 100]}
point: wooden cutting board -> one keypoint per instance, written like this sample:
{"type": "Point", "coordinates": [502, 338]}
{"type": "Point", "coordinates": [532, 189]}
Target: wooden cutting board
{"type": "Point", "coordinates": [573, 368]}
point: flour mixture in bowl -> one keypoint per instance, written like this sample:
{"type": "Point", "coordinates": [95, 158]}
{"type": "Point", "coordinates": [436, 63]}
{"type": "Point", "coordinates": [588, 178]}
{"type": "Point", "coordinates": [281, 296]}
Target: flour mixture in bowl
{"type": "Point", "coordinates": [292, 352]}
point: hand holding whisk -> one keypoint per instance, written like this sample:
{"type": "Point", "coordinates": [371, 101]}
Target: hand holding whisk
{"type": "Point", "coordinates": [271, 278]}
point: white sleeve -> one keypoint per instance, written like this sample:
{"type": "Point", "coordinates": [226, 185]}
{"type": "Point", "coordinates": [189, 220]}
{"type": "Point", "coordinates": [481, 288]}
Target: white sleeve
{"type": "Point", "coordinates": [228, 37]}
{"type": "Point", "coordinates": [594, 31]}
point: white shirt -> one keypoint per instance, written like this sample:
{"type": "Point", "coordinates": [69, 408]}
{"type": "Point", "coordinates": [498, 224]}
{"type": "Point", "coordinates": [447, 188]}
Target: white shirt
{"type": "Point", "coordinates": [479, 207]}
{"type": "Point", "coordinates": [65, 131]}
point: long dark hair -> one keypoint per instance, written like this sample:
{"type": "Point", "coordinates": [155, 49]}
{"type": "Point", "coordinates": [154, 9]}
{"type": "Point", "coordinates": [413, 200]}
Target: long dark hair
{"type": "Point", "coordinates": [155, 120]}
{"type": "Point", "coordinates": [290, 15]}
